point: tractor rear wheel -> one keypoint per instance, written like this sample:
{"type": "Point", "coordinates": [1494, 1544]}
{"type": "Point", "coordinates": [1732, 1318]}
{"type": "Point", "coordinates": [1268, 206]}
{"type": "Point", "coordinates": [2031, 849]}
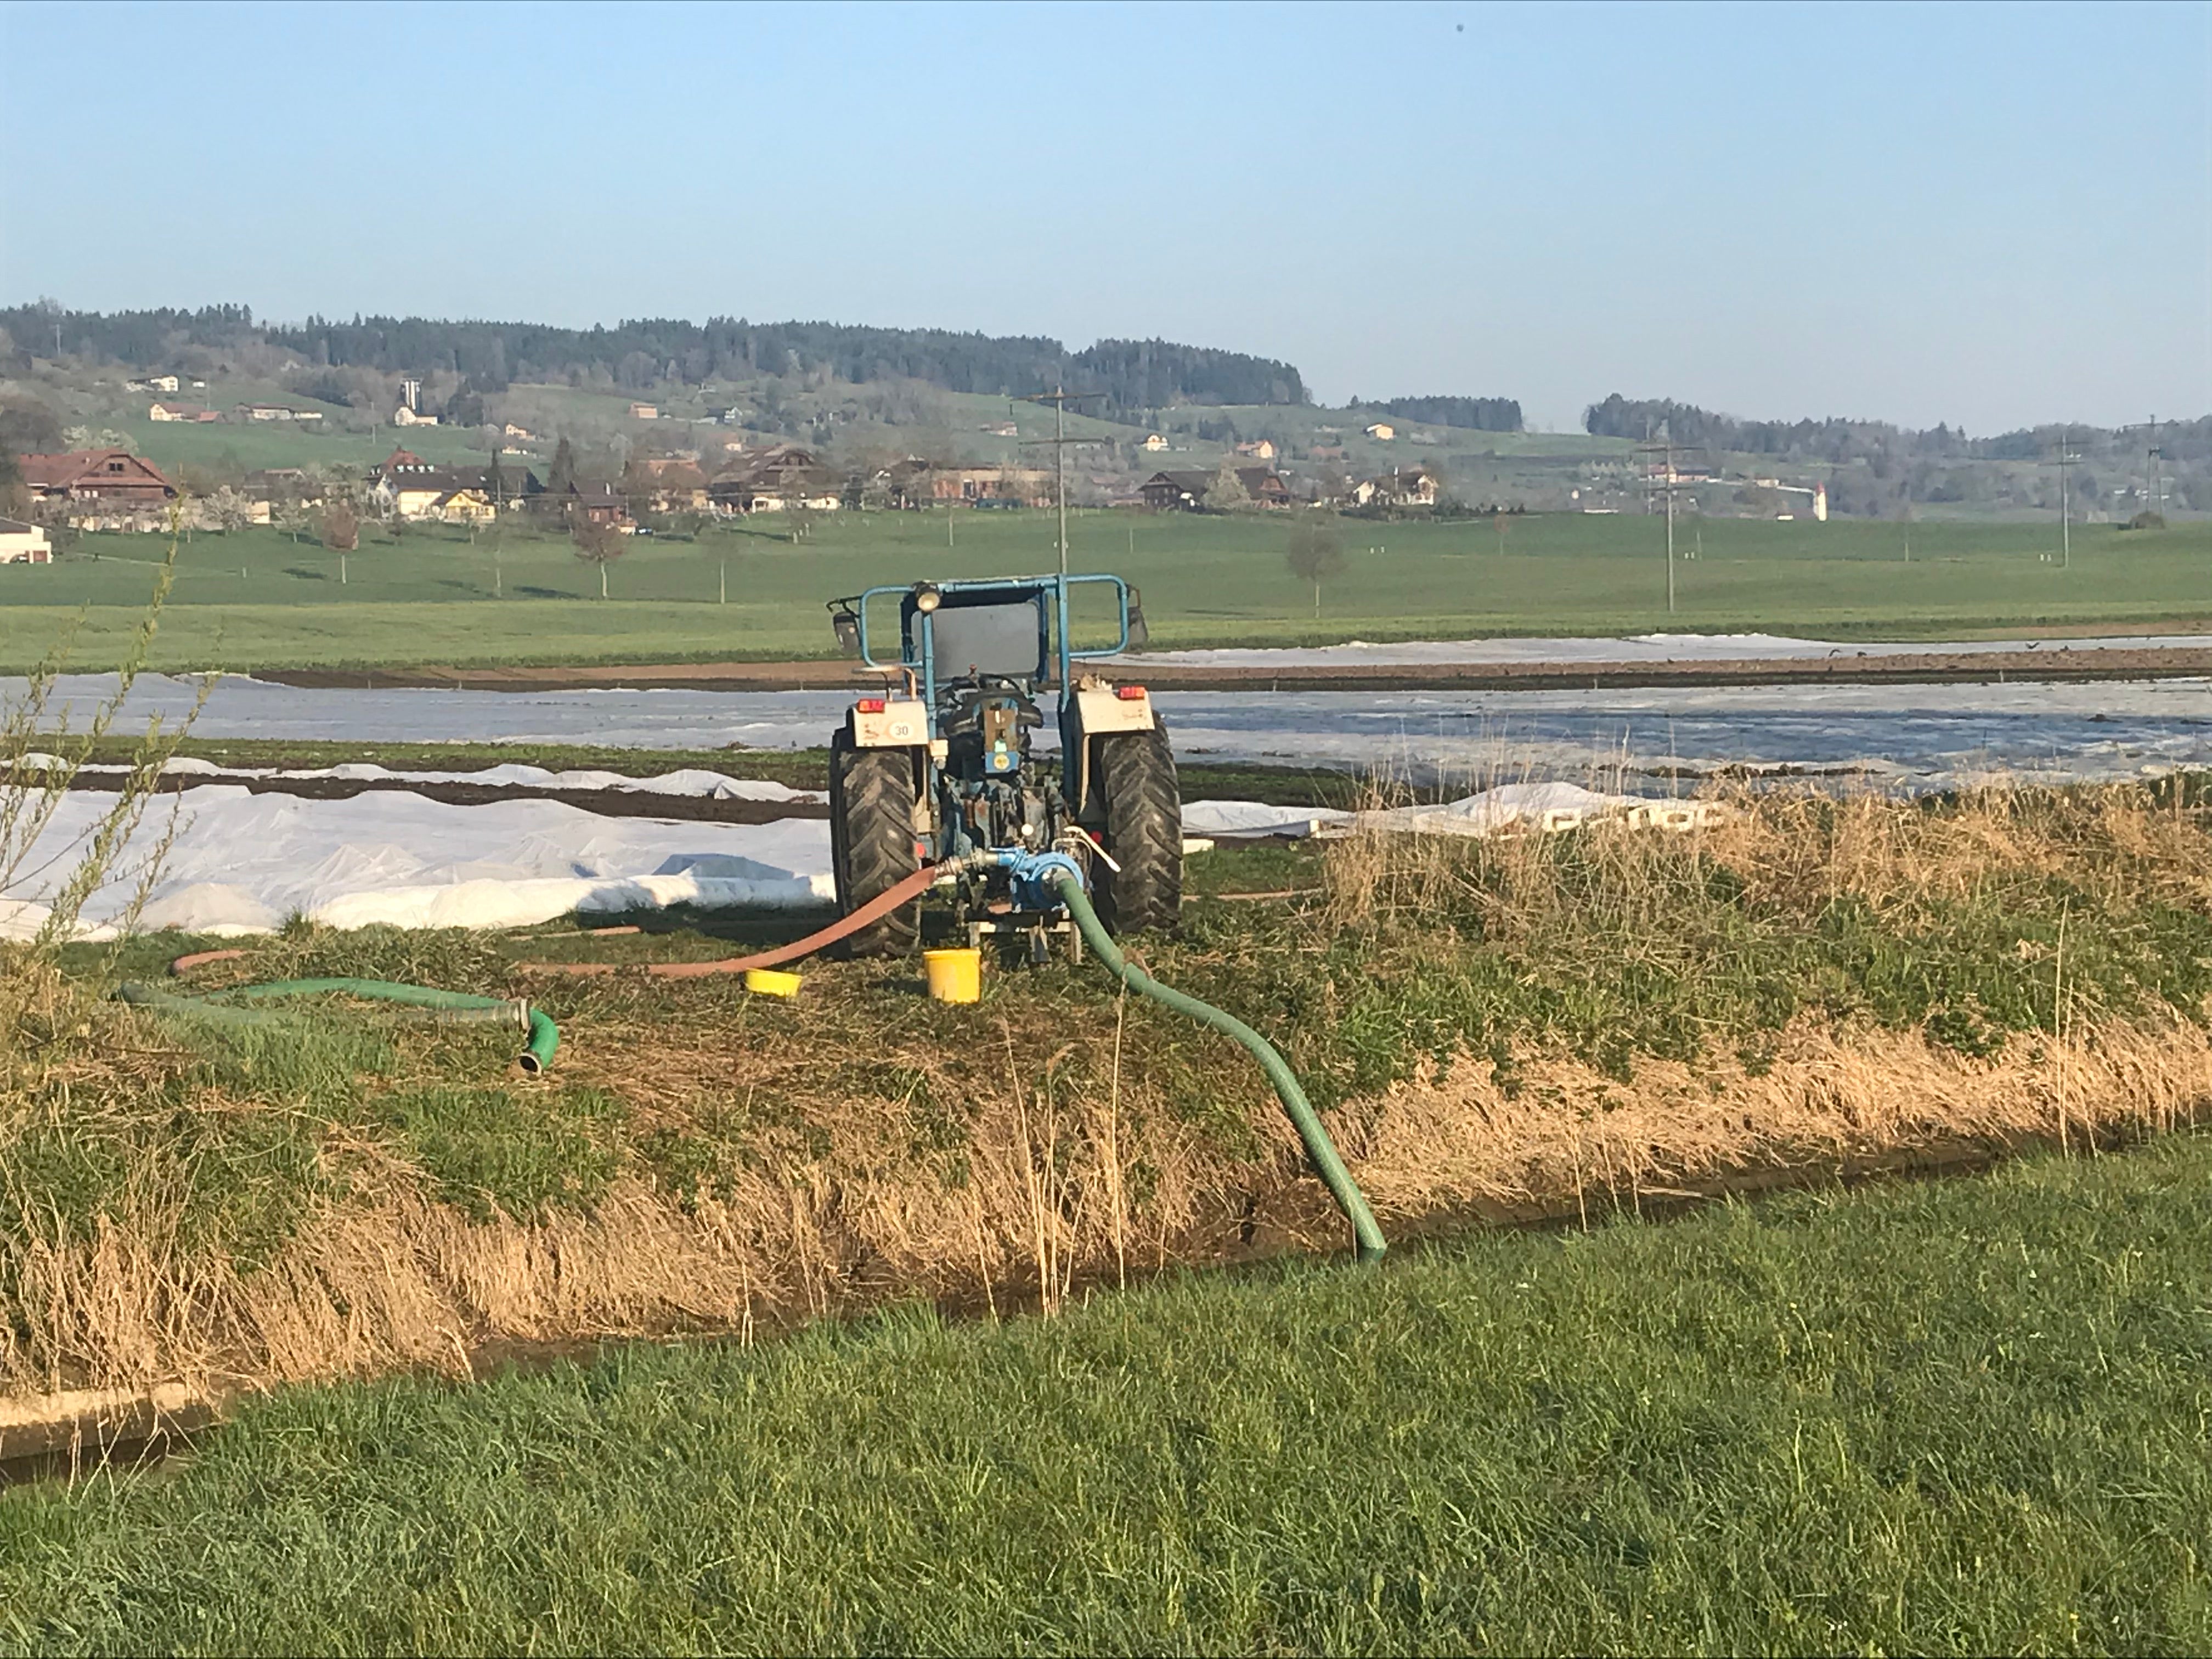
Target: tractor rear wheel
{"type": "Point", "coordinates": [1143, 805]}
{"type": "Point", "coordinates": [871, 846]}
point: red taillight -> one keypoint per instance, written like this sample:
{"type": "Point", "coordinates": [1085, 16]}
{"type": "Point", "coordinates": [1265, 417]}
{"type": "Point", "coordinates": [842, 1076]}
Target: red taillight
{"type": "Point", "coordinates": [1129, 693]}
{"type": "Point", "coordinates": [870, 705]}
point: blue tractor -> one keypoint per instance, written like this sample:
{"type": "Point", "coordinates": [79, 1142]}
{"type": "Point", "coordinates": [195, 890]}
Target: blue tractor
{"type": "Point", "coordinates": [942, 768]}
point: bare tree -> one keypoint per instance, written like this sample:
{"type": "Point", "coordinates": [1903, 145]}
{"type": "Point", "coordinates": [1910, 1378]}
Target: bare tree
{"type": "Point", "coordinates": [1316, 551]}
{"type": "Point", "coordinates": [598, 542]}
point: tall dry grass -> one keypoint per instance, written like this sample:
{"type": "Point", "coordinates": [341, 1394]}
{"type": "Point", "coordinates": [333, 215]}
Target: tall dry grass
{"type": "Point", "coordinates": [1016, 1153]}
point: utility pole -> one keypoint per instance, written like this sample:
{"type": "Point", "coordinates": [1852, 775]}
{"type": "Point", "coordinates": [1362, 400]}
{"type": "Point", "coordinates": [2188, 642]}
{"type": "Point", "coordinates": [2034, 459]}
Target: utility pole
{"type": "Point", "coordinates": [1664, 449]}
{"type": "Point", "coordinates": [2066, 458]}
{"type": "Point", "coordinates": [2152, 455]}
{"type": "Point", "coordinates": [2157, 473]}
{"type": "Point", "coordinates": [1060, 397]}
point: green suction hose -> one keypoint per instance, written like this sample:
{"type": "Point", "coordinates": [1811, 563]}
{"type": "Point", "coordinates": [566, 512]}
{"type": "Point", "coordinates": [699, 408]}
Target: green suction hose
{"type": "Point", "coordinates": [459, 1007]}
{"type": "Point", "coordinates": [1320, 1149]}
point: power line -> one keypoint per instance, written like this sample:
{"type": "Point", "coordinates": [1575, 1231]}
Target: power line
{"type": "Point", "coordinates": [2152, 455]}
{"type": "Point", "coordinates": [1060, 397]}
{"type": "Point", "coordinates": [1664, 447]}
{"type": "Point", "coordinates": [2064, 462]}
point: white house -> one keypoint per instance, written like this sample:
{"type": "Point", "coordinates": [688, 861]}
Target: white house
{"type": "Point", "coordinates": [23, 543]}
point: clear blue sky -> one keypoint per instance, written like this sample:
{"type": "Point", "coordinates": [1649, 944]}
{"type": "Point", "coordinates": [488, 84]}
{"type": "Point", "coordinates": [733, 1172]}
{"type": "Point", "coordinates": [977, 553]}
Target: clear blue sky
{"type": "Point", "coordinates": [1989, 215]}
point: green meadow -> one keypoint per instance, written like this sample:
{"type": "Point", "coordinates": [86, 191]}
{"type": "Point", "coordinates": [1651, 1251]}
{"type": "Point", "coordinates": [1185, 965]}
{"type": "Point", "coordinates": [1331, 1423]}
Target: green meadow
{"type": "Point", "coordinates": [1960, 1418]}
{"type": "Point", "coordinates": [265, 598]}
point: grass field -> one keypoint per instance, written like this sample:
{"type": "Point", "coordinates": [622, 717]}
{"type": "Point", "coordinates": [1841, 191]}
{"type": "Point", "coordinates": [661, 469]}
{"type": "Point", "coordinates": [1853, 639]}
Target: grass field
{"type": "Point", "coordinates": [258, 599]}
{"type": "Point", "coordinates": [233, 447]}
{"type": "Point", "coordinates": [1962, 1417]}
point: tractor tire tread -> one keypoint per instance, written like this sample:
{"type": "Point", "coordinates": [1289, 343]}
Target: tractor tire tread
{"type": "Point", "coordinates": [1144, 833]}
{"type": "Point", "coordinates": [872, 796]}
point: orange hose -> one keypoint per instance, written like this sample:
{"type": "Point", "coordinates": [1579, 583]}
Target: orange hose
{"type": "Point", "coordinates": [874, 911]}
{"type": "Point", "coordinates": [190, 960]}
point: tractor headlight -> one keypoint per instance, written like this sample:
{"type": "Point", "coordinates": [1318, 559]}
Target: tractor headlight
{"type": "Point", "coordinates": [927, 598]}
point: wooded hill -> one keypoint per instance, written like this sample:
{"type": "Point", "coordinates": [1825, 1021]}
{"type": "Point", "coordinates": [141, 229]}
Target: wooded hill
{"type": "Point", "coordinates": [643, 353]}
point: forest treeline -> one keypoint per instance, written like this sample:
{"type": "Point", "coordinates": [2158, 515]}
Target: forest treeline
{"type": "Point", "coordinates": [1839, 440]}
{"type": "Point", "coordinates": [640, 354]}
{"type": "Point", "coordinates": [1878, 469]}
{"type": "Point", "coordinates": [1476, 413]}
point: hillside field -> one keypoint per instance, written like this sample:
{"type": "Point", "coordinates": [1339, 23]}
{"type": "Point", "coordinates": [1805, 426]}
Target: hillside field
{"type": "Point", "coordinates": [259, 598]}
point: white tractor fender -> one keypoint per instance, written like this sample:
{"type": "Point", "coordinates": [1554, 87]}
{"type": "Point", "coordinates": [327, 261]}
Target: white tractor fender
{"type": "Point", "coordinates": [896, 723]}
{"type": "Point", "coordinates": [1100, 710]}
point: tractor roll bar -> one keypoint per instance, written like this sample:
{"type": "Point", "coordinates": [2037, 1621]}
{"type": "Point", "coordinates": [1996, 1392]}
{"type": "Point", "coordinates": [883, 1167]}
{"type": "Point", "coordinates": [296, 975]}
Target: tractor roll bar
{"type": "Point", "coordinates": [1053, 624]}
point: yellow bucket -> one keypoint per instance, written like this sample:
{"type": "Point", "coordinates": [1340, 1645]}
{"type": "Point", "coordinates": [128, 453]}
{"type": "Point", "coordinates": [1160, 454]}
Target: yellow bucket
{"type": "Point", "coordinates": [771, 982]}
{"type": "Point", "coordinates": [955, 975]}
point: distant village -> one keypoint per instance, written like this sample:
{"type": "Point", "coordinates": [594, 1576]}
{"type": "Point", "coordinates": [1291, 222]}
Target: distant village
{"type": "Point", "coordinates": [111, 488]}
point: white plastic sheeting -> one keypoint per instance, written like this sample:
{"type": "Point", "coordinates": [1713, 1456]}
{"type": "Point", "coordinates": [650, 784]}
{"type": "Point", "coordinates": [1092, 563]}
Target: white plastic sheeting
{"type": "Point", "coordinates": [1905, 735]}
{"type": "Point", "coordinates": [1908, 737]}
{"type": "Point", "coordinates": [240, 863]}
{"type": "Point", "coordinates": [1635, 649]}
{"type": "Point", "coordinates": [239, 707]}
{"type": "Point", "coordinates": [1508, 808]}
{"type": "Point", "coordinates": [1224, 820]}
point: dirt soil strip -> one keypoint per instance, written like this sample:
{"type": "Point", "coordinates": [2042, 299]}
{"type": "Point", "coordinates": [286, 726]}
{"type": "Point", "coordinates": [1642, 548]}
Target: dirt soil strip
{"type": "Point", "coordinates": [607, 802]}
{"type": "Point", "coordinates": [2059, 663]}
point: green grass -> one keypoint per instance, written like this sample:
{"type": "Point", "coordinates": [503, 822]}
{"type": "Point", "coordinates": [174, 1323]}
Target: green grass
{"type": "Point", "coordinates": [1955, 1418]}
{"type": "Point", "coordinates": [232, 446]}
{"type": "Point", "coordinates": [258, 599]}
{"type": "Point", "coordinates": [800, 769]}
{"type": "Point", "coordinates": [1616, 952]}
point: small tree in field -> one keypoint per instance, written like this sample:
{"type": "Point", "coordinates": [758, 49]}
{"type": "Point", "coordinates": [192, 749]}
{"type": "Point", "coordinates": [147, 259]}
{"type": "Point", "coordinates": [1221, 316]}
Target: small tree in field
{"type": "Point", "coordinates": [230, 507]}
{"type": "Point", "coordinates": [1227, 494]}
{"type": "Point", "coordinates": [1316, 551]}
{"type": "Point", "coordinates": [341, 530]}
{"type": "Point", "coordinates": [598, 542]}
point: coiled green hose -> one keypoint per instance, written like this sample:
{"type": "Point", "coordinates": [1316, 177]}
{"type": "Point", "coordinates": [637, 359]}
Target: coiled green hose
{"type": "Point", "coordinates": [1327, 1163]}
{"type": "Point", "coordinates": [452, 1006]}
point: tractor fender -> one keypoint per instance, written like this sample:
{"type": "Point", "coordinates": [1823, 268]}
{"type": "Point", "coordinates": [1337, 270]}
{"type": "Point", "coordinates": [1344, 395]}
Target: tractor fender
{"type": "Point", "coordinates": [892, 723]}
{"type": "Point", "coordinates": [1101, 710]}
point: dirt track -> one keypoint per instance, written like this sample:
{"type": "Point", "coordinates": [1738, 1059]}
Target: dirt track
{"type": "Point", "coordinates": [2054, 662]}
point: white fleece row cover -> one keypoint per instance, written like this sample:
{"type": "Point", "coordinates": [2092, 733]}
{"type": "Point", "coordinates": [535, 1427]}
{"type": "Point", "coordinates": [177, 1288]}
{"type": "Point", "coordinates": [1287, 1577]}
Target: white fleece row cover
{"type": "Point", "coordinates": [1509, 807]}
{"type": "Point", "coordinates": [240, 863]}
{"type": "Point", "coordinates": [1638, 647]}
